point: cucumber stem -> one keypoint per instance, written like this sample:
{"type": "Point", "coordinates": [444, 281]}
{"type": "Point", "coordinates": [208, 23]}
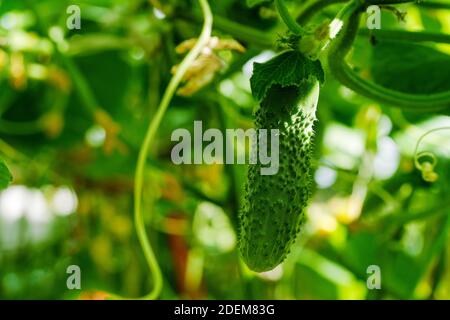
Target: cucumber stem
{"type": "Point", "coordinates": [290, 22]}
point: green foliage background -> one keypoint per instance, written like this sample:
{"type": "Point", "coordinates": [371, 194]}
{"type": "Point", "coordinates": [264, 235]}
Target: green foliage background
{"type": "Point", "coordinates": [74, 108]}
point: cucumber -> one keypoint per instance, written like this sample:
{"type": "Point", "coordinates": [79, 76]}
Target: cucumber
{"type": "Point", "coordinates": [273, 205]}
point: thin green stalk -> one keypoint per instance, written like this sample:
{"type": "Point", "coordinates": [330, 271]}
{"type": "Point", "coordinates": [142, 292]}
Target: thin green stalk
{"type": "Point", "coordinates": [12, 153]}
{"type": "Point", "coordinates": [348, 10]}
{"type": "Point", "coordinates": [411, 36]}
{"type": "Point", "coordinates": [290, 22]}
{"type": "Point", "coordinates": [20, 127]}
{"type": "Point", "coordinates": [82, 87]}
{"type": "Point", "coordinates": [337, 23]}
{"type": "Point", "coordinates": [244, 32]}
{"type": "Point", "coordinates": [237, 30]}
{"type": "Point", "coordinates": [437, 246]}
{"type": "Point", "coordinates": [417, 155]}
{"type": "Point", "coordinates": [435, 5]}
{"type": "Point", "coordinates": [149, 138]}
{"type": "Point", "coordinates": [376, 92]}
{"type": "Point", "coordinates": [312, 7]}
{"type": "Point", "coordinates": [385, 2]}
{"type": "Point", "coordinates": [85, 93]}
{"type": "Point", "coordinates": [419, 141]}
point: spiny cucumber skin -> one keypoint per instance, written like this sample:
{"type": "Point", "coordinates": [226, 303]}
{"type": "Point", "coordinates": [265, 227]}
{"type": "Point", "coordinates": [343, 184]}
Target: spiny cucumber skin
{"type": "Point", "coordinates": [273, 205]}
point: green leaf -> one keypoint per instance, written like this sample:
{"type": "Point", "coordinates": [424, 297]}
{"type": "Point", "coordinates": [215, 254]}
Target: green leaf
{"type": "Point", "coordinates": [410, 68]}
{"type": "Point", "coordinates": [5, 175]}
{"type": "Point", "coordinates": [290, 68]}
{"type": "Point", "coordinates": [252, 3]}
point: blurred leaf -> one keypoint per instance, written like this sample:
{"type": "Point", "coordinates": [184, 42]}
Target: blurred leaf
{"type": "Point", "coordinates": [410, 68]}
{"type": "Point", "coordinates": [97, 42]}
{"type": "Point", "coordinates": [323, 278]}
{"type": "Point", "coordinates": [252, 3]}
{"type": "Point", "coordinates": [5, 175]}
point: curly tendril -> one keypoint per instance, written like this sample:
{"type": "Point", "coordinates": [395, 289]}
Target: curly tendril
{"type": "Point", "coordinates": [426, 161]}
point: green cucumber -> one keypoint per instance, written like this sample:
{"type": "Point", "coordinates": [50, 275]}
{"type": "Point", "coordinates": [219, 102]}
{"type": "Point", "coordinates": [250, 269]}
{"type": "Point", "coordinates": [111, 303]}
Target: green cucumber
{"type": "Point", "coordinates": [273, 205]}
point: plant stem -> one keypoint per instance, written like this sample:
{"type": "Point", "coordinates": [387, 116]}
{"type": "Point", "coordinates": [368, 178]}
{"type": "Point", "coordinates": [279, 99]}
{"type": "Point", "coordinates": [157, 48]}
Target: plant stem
{"type": "Point", "coordinates": [20, 127]}
{"type": "Point", "coordinates": [384, 2]}
{"type": "Point", "coordinates": [416, 154]}
{"type": "Point", "coordinates": [412, 36]}
{"type": "Point", "coordinates": [149, 137]}
{"type": "Point", "coordinates": [336, 25]}
{"type": "Point", "coordinates": [340, 69]}
{"type": "Point", "coordinates": [243, 32]}
{"type": "Point", "coordinates": [312, 7]}
{"type": "Point", "coordinates": [290, 22]}
{"type": "Point", "coordinates": [237, 30]}
{"type": "Point", "coordinates": [83, 90]}
{"type": "Point", "coordinates": [435, 5]}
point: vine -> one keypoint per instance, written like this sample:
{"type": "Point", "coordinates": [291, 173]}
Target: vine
{"type": "Point", "coordinates": [342, 71]}
{"type": "Point", "coordinates": [290, 22]}
{"type": "Point", "coordinates": [411, 36]}
{"type": "Point", "coordinates": [427, 167]}
{"type": "Point", "coordinates": [312, 7]}
{"type": "Point", "coordinates": [146, 146]}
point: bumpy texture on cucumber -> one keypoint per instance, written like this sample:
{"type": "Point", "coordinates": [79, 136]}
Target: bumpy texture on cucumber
{"type": "Point", "coordinates": [273, 205]}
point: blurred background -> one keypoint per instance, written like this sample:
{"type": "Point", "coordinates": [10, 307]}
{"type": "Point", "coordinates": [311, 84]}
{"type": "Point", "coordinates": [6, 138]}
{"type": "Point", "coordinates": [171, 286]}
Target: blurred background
{"type": "Point", "coordinates": [74, 108]}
